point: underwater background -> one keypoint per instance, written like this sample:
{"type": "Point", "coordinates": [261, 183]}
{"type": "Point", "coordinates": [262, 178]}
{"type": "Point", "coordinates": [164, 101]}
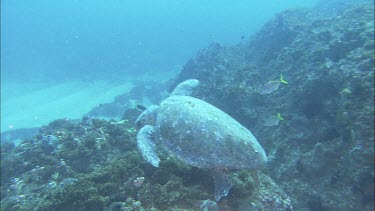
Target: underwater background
{"type": "Point", "coordinates": [298, 74]}
{"type": "Point", "coordinates": [60, 59]}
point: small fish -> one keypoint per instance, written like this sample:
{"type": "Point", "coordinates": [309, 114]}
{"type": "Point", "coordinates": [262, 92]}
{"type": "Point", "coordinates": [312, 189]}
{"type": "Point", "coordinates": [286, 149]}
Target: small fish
{"type": "Point", "coordinates": [272, 86]}
{"type": "Point", "coordinates": [273, 120]}
{"type": "Point", "coordinates": [141, 107]}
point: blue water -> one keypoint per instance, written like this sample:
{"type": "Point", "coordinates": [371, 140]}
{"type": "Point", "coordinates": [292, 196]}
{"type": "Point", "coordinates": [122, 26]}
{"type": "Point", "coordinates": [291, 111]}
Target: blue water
{"type": "Point", "coordinates": [46, 43]}
{"type": "Point", "coordinates": [79, 38]}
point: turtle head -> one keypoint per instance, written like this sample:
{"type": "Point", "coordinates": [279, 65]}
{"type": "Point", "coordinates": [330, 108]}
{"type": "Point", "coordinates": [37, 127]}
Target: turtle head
{"type": "Point", "coordinates": [185, 88]}
{"type": "Point", "coordinates": [147, 117]}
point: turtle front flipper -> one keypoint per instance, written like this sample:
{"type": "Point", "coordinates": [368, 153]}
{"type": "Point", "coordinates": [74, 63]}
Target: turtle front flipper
{"type": "Point", "coordinates": [222, 183]}
{"type": "Point", "coordinates": [147, 146]}
{"type": "Point", "coordinates": [185, 88]}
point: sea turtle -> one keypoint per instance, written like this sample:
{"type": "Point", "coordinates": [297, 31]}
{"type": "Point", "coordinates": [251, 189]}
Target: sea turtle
{"type": "Point", "coordinates": [198, 134]}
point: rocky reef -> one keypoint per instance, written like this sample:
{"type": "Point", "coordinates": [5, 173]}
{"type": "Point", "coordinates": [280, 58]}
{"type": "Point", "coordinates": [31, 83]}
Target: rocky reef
{"type": "Point", "coordinates": [321, 152]}
{"type": "Point", "coordinates": [94, 165]}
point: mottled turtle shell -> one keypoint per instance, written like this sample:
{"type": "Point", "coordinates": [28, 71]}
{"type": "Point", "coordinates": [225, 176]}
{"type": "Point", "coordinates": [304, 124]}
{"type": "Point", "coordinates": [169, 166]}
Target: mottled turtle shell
{"type": "Point", "coordinates": [203, 136]}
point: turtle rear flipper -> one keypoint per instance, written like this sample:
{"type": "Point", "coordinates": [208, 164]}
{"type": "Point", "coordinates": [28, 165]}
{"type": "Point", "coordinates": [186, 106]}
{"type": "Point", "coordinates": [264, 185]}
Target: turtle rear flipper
{"type": "Point", "coordinates": [222, 183]}
{"type": "Point", "coordinates": [146, 145]}
{"type": "Point", "coordinates": [185, 88]}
